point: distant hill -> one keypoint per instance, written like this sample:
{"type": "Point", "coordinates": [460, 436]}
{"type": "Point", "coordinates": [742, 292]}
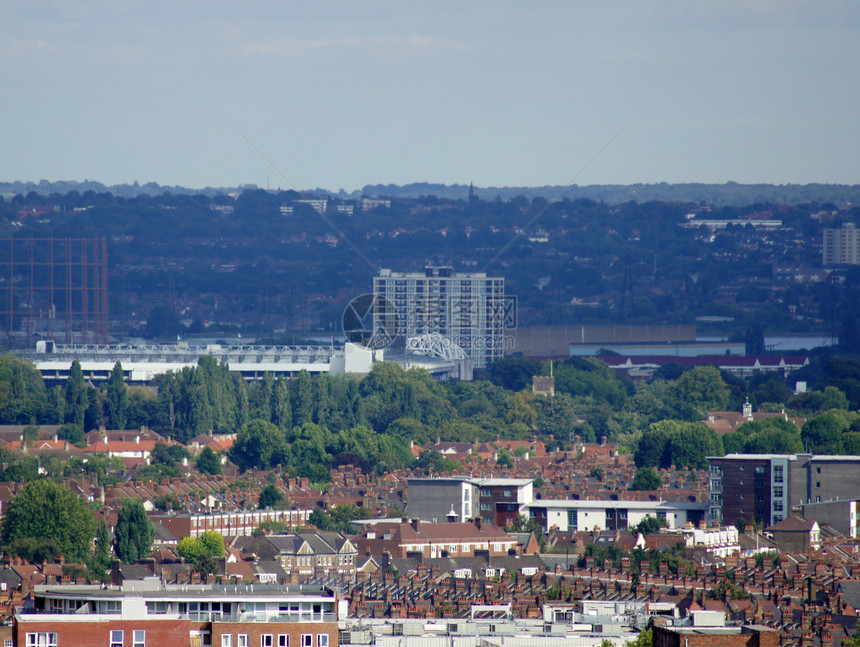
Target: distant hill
{"type": "Point", "coordinates": [729, 194]}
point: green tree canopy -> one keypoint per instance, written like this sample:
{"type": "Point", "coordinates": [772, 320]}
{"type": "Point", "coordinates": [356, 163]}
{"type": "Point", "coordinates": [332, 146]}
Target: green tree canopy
{"type": "Point", "coordinates": [259, 443]}
{"type": "Point", "coordinates": [76, 395]}
{"type": "Point", "coordinates": [22, 392]}
{"type": "Point", "coordinates": [133, 532]}
{"type": "Point", "coordinates": [678, 443]}
{"type": "Point", "coordinates": [208, 462]}
{"type": "Point", "coordinates": [270, 497]}
{"type": "Point", "coordinates": [117, 398]}
{"type": "Point", "coordinates": [698, 391]}
{"type": "Point", "coordinates": [646, 478]}
{"type": "Point", "coordinates": [823, 433]}
{"type": "Point", "coordinates": [46, 511]}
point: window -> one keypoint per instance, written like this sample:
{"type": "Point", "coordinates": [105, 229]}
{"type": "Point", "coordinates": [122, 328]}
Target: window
{"type": "Point", "coordinates": [283, 640]}
{"type": "Point", "coordinates": [42, 639]}
{"type": "Point", "coordinates": [116, 638]}
{"type": "Point", "coordinates": [322, 640]}
{"type": "Point", "coordinates": [226, 640]}
{"type": "Point", "coordinates": [109, 606]}
{"type": "Point", "coordinates": [242, 640]}
{"type": "Point", "coordinates": [267, 640]}
{"type": "Point", "coordinates": [139, 638]}
{"type": "Point", "coordinates": [307, 640]}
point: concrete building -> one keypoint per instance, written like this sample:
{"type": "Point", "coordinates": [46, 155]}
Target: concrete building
{"type": "Point", "coordinates": [762, 487]}
{"type": "Point", "coordinates": [497, 501]}
{"type": "Point", "coordinates": [148, 613]}
{"type": "Point", "coordinates": [841, 246]}
{"type": "Point", "coordinates": [843, 515]}
{"type": "Point", "coordinates": [141, 363]}
{"type": "Point", "coordinates": [563, 341]}
{"type": "Point", "coordinates": [572, 515]}
{"type": "Point", "coordinates": [467, 309]}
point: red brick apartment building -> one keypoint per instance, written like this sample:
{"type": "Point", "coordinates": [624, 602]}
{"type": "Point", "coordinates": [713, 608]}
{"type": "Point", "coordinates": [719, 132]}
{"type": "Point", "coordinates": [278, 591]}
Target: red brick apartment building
{"type": "Point", "coordinates": [240, 523]}
{"type": "Point", "coordinates": [150, 614]}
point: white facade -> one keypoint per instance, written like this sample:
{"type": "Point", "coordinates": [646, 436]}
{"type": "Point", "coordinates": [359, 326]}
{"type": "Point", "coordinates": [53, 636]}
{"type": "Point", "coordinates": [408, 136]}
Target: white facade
{"type": "Point", "coordinates": [841, 246]}
{"type": "Point", "coordinates": [570, 515]}
{"type": "Point", "coordinates": [142, 363]}
{"type": "Point", "coordinates": [469, 309]}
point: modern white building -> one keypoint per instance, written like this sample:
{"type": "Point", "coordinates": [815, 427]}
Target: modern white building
{"type": "Point", "coordinates": [572, 515]}
{"type": "Point", "coordinates": [468, 309]}
{"type": "Point", "coordinates": [841, 246]}
{"type": "Point", "coordinates": [143, 362]}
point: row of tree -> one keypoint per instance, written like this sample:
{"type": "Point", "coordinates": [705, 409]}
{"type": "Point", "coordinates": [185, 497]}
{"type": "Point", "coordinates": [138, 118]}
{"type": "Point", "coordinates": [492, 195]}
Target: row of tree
{"type": "Point", "coordinates": [311, 423]}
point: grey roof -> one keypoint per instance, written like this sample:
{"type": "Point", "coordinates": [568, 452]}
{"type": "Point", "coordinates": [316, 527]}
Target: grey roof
{"type": "Point", "coordinates": [551, 560]}
{"type": "Point", "coordinates": [850, 590]}
{"type": "Point", "coordinates": [321, 543]}
{"type": "Point", "coordinates": [516, 563]}
{"type": "Point", "coordinates": [285, 543]}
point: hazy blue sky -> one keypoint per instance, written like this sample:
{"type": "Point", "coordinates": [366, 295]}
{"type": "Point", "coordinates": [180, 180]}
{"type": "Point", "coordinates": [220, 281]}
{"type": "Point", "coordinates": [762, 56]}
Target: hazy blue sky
{"type": "Point", "coordinates": [343, 94]}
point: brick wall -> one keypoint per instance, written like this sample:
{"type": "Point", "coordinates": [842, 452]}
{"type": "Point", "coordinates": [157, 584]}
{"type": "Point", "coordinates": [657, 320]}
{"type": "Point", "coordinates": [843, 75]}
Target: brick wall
{"type": "Point", "coordinates": [159, 633]}
{"type": "Point", "coordinates": [255, 631]}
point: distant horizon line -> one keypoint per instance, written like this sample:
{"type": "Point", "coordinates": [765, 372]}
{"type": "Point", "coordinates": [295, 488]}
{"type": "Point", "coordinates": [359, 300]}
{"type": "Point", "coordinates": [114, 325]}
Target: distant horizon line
{"type": "Point", "coordinates": [730, 193]}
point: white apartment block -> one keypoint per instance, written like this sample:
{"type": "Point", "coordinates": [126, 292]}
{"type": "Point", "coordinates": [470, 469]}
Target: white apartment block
{"type": "Point", "coordinates": [841, 246]}
{"type": "Point", "coordinates": [468, 309]}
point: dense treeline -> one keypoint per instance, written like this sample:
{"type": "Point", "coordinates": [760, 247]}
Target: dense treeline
{"type": "Point", "coordinates": [311, 424]}
{"type": "Point", "coordinates": [730, 193]}
{"type": "Point", "coordinates": [253, 269]}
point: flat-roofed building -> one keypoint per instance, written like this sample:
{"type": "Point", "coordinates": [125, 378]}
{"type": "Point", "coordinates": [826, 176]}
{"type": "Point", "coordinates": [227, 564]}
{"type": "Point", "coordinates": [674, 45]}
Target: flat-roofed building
{"type": "Point", "coordinates": [497, 501]}
{"type": "Point", "coordinates": [762, 488]}
{"type": "Point", "coordinates": [573, 515]}
{"type": "Point", "coordinates": [149, 613]}
{"type": "Point", "coordinates": [841, 246]}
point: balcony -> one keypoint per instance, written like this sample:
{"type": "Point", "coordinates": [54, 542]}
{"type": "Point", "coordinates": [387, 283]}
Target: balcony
{"type": "Point", "coordinates": [258, 616]}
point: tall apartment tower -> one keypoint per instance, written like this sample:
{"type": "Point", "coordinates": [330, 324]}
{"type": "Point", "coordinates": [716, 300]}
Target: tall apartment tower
{"type": "Point", "coordinates": [468, 309]}
{"type": "Point", "coordinates": [763, 488]}
{"type": "Point", "coordinates": [841, 246]}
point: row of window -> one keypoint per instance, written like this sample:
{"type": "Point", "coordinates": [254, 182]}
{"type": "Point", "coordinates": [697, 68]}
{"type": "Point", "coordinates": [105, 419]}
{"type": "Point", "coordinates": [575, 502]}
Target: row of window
{"type": "Point", "coordinates": [268, 640]}
{"type": "Point", "coordinates": [117, 638]}
{"type": "Point", "coordinates": [42, 639]}
{"type": "Point", "coordinates": [50, 639]}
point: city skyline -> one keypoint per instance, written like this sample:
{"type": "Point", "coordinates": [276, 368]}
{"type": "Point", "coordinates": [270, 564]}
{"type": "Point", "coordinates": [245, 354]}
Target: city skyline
{"type": "Point", "coordinates": [337, 95]}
